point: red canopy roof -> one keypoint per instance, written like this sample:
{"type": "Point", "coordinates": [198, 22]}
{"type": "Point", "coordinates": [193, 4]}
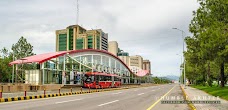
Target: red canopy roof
{"type": "Point", "coordinates": [142, 72]}
{"type": "Point", "coordinates": [38, 58]}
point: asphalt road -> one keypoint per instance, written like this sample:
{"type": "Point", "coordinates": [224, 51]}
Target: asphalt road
{"type": "Point", "coordinates": [144, 98]}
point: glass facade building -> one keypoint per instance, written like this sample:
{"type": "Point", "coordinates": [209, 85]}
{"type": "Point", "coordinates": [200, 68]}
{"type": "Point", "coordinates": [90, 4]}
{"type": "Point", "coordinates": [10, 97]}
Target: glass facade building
{"type": "Point", "coordinates": [70, 67]}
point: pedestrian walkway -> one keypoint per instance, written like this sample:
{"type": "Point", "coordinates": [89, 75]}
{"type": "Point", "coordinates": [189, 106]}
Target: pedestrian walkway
{"type": "Point", "coordinates": [194, 94]}
{"type": "Point", "coordinates": [29, 93]}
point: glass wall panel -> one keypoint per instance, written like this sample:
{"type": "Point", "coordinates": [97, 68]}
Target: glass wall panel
{"type": "Point", "coordinates": [112, 63]}
{"type": "Point", "coordinates": [101, 63]}
{"type": "Point", "coordinates": [105, 61]}
{"type": "Point", "coordinates": [86, 59]}
{"type": "Point", "coordinates": [96, 59]}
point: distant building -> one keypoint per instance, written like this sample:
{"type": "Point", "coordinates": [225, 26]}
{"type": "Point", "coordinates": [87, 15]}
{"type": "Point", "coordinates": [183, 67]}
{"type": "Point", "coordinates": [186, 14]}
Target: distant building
{"type": "Point", "coordinates": [66, 39]}
{"type": "Point", "coordinates": [136, 61]}
{"type": "Point", "coordinates": [124, 56]}
{"type": "Point", "coordinates": [75, 37]}
{"type": "Point", "coordinates": [94, 39]}
{"type": "Point", "coordinates": [104, 40]}
{"type": "Point", "coordinates": [113, 47]}
{"type": "Point", "coordinates": [146, 65]}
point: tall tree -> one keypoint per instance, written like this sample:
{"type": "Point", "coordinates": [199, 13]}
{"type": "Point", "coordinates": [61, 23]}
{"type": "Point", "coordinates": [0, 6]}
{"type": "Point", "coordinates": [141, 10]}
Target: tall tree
{"type": "Point", "coordinates": [209, 26]}
{"type": "Point", "coordinates": [22, 48]}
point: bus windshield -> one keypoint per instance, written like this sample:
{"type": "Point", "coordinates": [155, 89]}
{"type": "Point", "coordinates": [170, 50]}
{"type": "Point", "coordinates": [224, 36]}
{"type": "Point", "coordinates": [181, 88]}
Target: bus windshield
{"type": "Point", "coordinates": [89, 78]}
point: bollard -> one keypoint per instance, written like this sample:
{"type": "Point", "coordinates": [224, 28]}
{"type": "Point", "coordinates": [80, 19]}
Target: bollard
{"type": "Point", "coordinates": [71, 90]}
{"type": "Point", "coordinates": [25, 93]}
{"type": "Point", "coordinates": [44, 91]}
{"type": "Point", "coordinates": [59, 90]}
{"type": "Point", "coordinates": [89, 89]}
{"type": "Point", "coordinates": [96, 88]}
{"type": "Point", "coordinates": [81, 89]}
{"type": "Point", "coordinates": [0, 93]}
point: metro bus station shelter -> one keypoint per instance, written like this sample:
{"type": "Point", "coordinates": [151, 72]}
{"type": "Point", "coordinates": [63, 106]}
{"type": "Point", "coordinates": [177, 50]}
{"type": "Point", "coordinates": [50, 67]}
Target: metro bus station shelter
{"type": "Point", "coordinates": [68, 67]}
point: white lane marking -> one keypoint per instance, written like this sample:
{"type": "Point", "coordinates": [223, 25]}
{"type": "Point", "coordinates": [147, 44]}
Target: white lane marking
{"type": "Point", "coordinates": [108, 103]}
{"type": "Point", "coordinates": [135, 90]}
{"type": "Point", "coordinates": [117, 93]}
{"type": "Point", "coordinates": [141, 93]}
{"type": "Point", "coordinates": [153, 90]}
{"type": "Point", "coordinates": [67, 101]}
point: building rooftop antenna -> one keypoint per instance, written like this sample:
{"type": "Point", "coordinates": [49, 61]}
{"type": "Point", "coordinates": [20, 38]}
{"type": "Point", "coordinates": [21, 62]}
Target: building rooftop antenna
{"type": "Point", "coordinates": [77, 17]}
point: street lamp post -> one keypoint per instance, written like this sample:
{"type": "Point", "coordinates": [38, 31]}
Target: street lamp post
{"type": "Point", "coordinates": [180, 68]}
{"type": "Point", "coordinates": [182, 32]}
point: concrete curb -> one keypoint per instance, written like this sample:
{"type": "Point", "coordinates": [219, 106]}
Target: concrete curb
{"type": "Point", "coordinates": [186, 98]}
{"type": "Point", "coordinates": [10, 99]}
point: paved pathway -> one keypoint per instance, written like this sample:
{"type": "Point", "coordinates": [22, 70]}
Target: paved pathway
{"type": "Point", "coordinates": [196, 94]}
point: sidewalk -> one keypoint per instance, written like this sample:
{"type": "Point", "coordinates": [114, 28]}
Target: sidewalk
{"type": "Point", "coordinates": [29, 93]}
{"type": "Point", "coordinates": [198, 95]}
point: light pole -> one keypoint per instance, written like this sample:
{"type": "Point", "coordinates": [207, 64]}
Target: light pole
{"type": "Point", "coordinates": [182, 32]}
{"type": "Point", "coordinates": [180, 68]}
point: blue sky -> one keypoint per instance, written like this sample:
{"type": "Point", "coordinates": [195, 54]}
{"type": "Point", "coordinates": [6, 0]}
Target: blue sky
{"type": "Point", "coordinates": [141, 27]}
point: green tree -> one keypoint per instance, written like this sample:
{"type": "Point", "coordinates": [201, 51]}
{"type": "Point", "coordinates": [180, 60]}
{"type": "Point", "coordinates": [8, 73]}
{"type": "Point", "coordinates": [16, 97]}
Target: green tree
{"type": "Point", "coordinates": [5, 69]}
{"type": "Point", "coordinates": [22, 48]}
{"type": "Point", "coordinates": [209, 27]}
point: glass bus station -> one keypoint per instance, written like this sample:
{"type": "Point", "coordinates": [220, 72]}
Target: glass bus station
{"type": "Point", "coordinates": [69, 67]}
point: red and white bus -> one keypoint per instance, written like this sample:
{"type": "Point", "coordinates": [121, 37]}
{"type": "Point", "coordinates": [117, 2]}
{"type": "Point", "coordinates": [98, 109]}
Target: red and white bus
{"type": "Point", "coordinates": [101, 80]}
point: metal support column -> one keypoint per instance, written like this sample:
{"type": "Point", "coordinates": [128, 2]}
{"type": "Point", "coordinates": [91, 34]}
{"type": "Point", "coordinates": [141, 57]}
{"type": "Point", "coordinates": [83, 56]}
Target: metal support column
{"type": "Point", "coordinates": [42, 69]}
{"type": "Point", "coordinates": [102, 64]}
{"type": "Point", "coordinates": [13, 71]}
{"type": "Point", "coordinates": [64, 70]}
{"type": "Point", "coordinates": [80, 65]}
{"type": "Point", "coordinates": [92, 63]}
{"type": "Point", "coordinates": [16, 77]}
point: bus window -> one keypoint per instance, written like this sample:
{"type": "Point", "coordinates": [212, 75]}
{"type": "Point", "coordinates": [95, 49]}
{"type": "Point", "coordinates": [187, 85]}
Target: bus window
{"type": "Point", "coordinates": [102, 78]}
{"type": "Point", "coordinates": [116, 79]}
{"type": "Point", "coordinates": [107, 78]}
{"type": "Point", "coordinates": [89, 78]}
